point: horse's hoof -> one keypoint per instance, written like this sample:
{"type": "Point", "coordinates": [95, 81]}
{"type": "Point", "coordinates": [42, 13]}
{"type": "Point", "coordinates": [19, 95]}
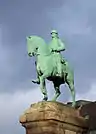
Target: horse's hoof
{"type": "Point", "coordinates": [36, 81]}
{"type": "Point", "coordinates": [74, 105]}
{"type": "Point", "coordinates": [45, 98]}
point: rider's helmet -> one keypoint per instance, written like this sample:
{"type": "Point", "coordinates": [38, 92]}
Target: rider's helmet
{"type": "Point", "coordinates": [54, 33]}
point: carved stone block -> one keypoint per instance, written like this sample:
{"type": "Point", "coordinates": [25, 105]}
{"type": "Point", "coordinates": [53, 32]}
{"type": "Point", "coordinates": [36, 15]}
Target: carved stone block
{"type": "Point", "coordinates": [52, 118]}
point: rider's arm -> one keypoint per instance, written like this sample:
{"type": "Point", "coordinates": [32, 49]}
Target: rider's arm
{"type": "Point", "coordinates": [61, 46]}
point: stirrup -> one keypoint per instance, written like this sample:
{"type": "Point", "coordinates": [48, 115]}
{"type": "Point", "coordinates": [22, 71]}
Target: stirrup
{"type": "Point", "coordinates": [58, 74]}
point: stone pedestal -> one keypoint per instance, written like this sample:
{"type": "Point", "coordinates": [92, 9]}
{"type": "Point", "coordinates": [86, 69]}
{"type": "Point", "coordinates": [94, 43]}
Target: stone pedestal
{"type": "Point", "coordinates": [53, 118]}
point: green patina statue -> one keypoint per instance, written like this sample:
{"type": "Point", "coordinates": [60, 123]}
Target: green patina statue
{"type": "Point", "coordinates": [50, 64]}
{"type": "Point", "coordinates": [56, 46]}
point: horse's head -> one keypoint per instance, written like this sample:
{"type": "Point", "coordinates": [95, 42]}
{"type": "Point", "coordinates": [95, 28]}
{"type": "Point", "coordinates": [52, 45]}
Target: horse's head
{"type": "Point", "coordinates": [37, 46]}
{"type": "Point", "coordinates": [32, 46]}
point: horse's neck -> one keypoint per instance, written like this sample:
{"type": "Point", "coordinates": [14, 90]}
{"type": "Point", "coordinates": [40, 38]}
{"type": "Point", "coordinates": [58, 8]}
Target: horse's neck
{"type": "Point", "coordinates": [43, 50]}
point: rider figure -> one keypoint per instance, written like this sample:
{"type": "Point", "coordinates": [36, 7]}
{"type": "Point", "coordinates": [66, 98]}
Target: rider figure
{"type": "Point", "coordinates": [57, 46]}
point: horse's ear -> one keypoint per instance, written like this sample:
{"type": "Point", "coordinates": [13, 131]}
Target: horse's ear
{"type": "Point", "coordinates": [28, 37]}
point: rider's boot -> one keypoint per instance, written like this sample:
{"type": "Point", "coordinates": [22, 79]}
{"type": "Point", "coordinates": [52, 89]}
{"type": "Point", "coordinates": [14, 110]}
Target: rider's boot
{"type": "Point", "coordinates": [59, 73]}
{"type": "Point", "coordinates": [59, 69]}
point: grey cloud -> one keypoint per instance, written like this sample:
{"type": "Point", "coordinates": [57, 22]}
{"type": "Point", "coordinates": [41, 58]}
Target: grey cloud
{"type": "Point", "coordinates": [19, 19]}
{"type": "Point", "coordinates": [27, 17]}
{"type": "Point", "coordinates": [76, 23]}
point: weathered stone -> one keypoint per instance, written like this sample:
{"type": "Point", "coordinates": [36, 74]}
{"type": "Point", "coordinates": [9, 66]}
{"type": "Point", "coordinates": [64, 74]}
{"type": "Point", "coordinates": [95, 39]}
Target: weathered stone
{"type": "Point", "coordinates": [52, 118]}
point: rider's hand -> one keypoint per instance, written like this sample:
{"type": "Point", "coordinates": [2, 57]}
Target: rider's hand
{"type": "Point", "coordinates": [54, 50]}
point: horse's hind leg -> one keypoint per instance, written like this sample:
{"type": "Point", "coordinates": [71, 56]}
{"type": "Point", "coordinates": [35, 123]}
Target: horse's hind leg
{"type": "Point", "coordinates": [57, 91]}
{"type": "Point", "coordinates": [70, 82]}
{"type": "Point", "coordinates": [43, 88]}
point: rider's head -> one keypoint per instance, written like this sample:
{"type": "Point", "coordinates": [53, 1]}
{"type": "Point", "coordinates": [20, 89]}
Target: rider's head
{"type": "Point", "coordinates": [54, 33]}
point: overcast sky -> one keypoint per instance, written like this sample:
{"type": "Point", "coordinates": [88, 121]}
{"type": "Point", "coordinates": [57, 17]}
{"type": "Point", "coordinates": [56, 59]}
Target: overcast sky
{"type": "Point", "coordinates": [75, 20]}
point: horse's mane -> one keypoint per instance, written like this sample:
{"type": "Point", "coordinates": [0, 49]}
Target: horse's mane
{"type": "Point", "coordinates": [38, 39]}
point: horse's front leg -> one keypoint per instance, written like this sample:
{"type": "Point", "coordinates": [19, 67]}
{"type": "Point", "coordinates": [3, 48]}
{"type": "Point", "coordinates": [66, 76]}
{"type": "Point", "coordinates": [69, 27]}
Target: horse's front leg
{"type": "Point", "coordinates": [37, 81]}
{"type": "Point", "coordinates": [43, 88]}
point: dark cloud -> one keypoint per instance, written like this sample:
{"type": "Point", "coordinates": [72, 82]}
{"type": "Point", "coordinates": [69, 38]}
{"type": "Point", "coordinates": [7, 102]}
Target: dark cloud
{"type": "Point", "coordinates": [74, 21]}
{"type": "Point", "coordinates": [27, 17]}
{"type": "Point", "coordinates": [76, 24]}
{"type": "Point", "coordinates": [19, 19]}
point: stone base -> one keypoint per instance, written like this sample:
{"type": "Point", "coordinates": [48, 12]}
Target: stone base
{"type": "Point", "coordinates": [53, 118]}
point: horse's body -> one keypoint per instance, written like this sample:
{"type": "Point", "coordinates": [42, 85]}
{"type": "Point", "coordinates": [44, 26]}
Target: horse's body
{"type": "Point", "coordinates": [47, 69]}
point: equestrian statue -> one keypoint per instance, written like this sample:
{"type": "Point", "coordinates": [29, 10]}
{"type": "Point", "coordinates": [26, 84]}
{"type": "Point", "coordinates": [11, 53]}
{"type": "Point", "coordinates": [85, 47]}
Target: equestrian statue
{"type": "Point", "coordinates": [51, 65]}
